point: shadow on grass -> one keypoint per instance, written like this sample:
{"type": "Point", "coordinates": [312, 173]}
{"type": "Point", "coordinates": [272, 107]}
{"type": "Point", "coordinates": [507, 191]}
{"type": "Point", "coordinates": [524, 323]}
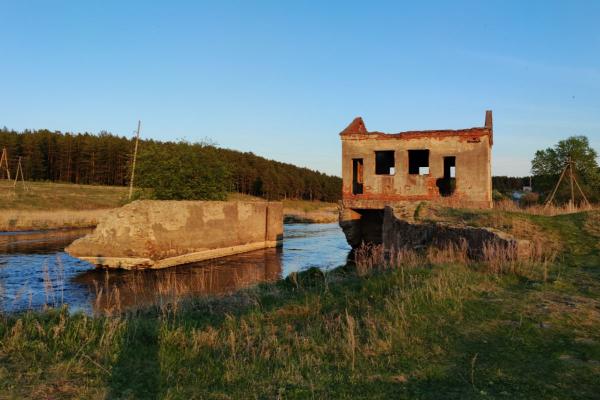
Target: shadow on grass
{"type": "Point", "coordinates": [136, 374]}
{"type": "Point", "coordinates": [513, 357]}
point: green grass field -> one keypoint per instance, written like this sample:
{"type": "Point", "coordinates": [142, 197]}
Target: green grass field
{"type": "Point", "coordinates": [447, 331]}
{"type": "Point", "coordinates": [46, 196]}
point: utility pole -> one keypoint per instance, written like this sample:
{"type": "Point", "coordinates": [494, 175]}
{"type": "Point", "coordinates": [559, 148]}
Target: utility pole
{"type": "Point", "coordinates": [573, 180]}
{"type": "Point", "coordinates": [4, 163]}
{"type": "Point", "coordinates": [137, 139]}
{"type": "Point", "coordinates": [572, 206]}
{"type": "Point", "coordinates": [19, 169]}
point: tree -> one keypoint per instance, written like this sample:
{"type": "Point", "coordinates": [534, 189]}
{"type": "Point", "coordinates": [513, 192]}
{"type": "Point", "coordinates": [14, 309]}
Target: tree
{"type": "Point", "coordinates": [180, 171]}
{"type": "Point", "coordinates": [549, 163]}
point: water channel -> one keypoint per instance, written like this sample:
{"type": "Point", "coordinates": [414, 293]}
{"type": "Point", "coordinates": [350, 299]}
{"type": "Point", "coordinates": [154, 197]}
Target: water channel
{"type": "Point", "coordinates": [35, 272]}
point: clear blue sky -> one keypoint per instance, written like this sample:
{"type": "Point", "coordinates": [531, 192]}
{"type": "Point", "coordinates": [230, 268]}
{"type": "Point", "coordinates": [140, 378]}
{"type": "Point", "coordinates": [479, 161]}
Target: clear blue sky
{"type": "Point", "coordinates": [282, 79]}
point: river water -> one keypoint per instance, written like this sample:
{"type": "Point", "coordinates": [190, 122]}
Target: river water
{"type": "Point", "coordinates": [35, 272]}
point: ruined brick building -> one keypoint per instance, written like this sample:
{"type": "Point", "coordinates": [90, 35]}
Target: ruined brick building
{"type": "Point", "coordinates": [380, 169]}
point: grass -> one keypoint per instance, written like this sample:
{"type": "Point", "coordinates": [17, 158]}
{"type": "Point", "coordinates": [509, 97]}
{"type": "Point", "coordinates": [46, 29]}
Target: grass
{"type": "Point", "coordinates": [428, 329]}
{"type": "Point", "coordinates": [46, 205]}
{"type": "Point", "coordinates": [542, 209]}
{"type": "Point", "coordinates": [305, 211]}
{"type": "Point", "coordinates": [26, 220]}
{"type": "Point", "coordinates": [46, 196]}
{"type": "Point", "coordinates": [299, 211]}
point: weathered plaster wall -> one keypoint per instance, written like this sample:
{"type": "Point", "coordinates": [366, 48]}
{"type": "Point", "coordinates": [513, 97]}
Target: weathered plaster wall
{"type": "Point", "coordinates": [158, 234]}
{"type": "Point", "coordinates": [473, 174]}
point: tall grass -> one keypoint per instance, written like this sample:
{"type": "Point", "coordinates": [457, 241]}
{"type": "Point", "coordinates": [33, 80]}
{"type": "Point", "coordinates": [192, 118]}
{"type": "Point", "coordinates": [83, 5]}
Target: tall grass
{"type": "Point", "coordinates": [463, 329]}
{"type": "Point", "coordinates": [497, 257]}
{"type": "Point", "coordinates": [539, 209]}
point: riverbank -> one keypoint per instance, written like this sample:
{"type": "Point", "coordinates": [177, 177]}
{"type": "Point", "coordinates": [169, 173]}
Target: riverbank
{"type": "Point", "coordinates": [420, 328]}
{"type": "Point", "coordinates": [310, 212]}
{"type": "Point", "coordinates": [300, 211]}
{"type": "Point", "coordinates": [47, 206]}
{"type": "Point", "coordinates": [33, 220]}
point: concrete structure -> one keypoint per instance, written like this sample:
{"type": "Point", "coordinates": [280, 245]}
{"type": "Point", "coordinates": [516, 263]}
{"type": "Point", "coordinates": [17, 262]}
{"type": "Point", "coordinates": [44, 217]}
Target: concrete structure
{"type": "Point", "coordinates": [403, 232]}
{"type": "Point", "coordinates": [379, 170]}
{"type": "Point", "coordinates": [160, 234]}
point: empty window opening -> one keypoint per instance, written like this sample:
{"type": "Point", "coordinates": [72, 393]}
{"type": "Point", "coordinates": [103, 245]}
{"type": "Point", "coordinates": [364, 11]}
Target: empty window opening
{"type": "Point", "coordinates": [447, 184]}
{"type": "Point", "coordinates": [384, 162]}
{"type": "Point", "coordinates": [418, 162]}
{"type": "Point", "coordinates": [357, 176]}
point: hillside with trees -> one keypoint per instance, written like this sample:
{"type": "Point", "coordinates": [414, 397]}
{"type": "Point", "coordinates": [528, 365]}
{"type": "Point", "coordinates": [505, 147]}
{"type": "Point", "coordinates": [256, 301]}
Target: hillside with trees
{"type": "Point", "coordinates": [105, 159]}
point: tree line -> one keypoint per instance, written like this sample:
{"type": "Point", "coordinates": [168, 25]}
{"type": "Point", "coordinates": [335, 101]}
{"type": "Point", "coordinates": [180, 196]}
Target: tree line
{"type": "Point", "coordinates": [205, 171]}
{"type": "Point", "coordinates": [105, 159]}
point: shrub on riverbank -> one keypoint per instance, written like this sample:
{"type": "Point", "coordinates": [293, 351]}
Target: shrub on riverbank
{"type": "Point", "coordinates": [183, 171]}
{"type": "Point", "coordinates": [425, 330]}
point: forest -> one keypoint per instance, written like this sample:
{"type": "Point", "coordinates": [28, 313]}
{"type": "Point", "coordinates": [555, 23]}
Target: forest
{"type": "Point", "coordinates": [105, 159]}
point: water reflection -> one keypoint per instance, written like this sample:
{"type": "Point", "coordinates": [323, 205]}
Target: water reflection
{"type": "Point", "coordinates": [39, 242]}
{"type": "Point", "coordinates": [35, 271]}
{"type": "Point", "coordinates": [114, 291]}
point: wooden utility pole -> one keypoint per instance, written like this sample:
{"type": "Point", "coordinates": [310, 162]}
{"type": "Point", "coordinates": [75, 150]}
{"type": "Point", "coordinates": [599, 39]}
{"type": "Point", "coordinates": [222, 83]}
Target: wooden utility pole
{"type": "Point", "coordinates": [573, 181]}
{"type": "Point", "coordinates": [572, 206]}
{"type": "Point", "coordinates": [4, 163]}
{"type": "Point", "coordinates": [137, 139]}
{"type": "Point", "coordinates": [19, 169]}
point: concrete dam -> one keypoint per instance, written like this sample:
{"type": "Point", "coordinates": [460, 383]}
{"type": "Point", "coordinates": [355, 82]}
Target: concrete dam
{"type": "Point", "coordinates": [160, 234]}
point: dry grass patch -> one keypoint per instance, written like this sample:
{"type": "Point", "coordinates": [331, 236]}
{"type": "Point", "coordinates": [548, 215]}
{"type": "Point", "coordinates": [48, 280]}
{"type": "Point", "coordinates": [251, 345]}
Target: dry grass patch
{"type": "Point", "coordinates": [60, 196]}
{"type": "Point", "coordinates": [539, 209]}
{"type": "Point", "coordinates": [519, 225]}
{"type": "Point", "coordinates": [25, 220]}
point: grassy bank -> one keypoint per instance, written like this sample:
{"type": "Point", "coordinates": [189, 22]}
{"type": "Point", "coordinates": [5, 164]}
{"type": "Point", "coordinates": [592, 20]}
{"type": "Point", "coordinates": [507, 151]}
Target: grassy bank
{"type": "Point", "coordinates": [47, 196]}
{"type": "Point", "coordinates": [28, 220]}
{"type": "Point", "coordinates": [414, 330]}
{"type": "Point", "coordinates": [45, 205]}
{"type": "Point", "coordinates": [300, 211]}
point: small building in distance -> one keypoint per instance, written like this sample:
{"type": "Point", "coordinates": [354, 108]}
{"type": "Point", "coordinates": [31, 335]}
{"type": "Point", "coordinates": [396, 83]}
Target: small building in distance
{"type": "Point", "coordinates": [380, 169]}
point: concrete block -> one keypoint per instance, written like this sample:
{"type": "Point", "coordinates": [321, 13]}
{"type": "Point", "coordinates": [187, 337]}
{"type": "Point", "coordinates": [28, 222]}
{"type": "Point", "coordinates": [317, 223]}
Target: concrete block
{"type": "Point", "coordinates": [160, 234]}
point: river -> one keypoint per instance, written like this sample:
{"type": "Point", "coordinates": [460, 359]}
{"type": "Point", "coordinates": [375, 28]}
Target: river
{"type": "Point", "coordinates": [35, 272]}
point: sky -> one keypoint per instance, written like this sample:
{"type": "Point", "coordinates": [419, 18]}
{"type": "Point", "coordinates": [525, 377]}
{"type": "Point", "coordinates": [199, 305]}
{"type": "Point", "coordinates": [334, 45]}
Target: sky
{"type": "Point", "coordinates": [281, 79]}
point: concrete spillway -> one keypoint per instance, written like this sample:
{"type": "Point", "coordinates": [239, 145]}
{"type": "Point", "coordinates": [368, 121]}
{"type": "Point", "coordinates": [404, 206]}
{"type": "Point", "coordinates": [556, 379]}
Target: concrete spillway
{"type": "Point", "coordinates": [160, 234]}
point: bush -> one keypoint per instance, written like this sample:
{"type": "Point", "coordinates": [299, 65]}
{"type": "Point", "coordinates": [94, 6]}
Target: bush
{"type": "Point", "coordinates": [182, 171]}
{"type": "Point", "coordinates": [497, 196]}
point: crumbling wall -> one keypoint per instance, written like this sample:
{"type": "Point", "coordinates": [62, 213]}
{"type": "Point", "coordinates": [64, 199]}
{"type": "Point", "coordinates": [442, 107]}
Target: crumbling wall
{"type": "Point", "coordinates": [159, 234]}
{"type": "Point", "coordinates": [401, 233]}
{"type": "Point", "coordinates": [380, 168]}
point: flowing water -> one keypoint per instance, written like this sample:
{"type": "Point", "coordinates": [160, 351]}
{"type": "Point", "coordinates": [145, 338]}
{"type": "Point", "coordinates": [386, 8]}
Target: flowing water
{"type": "Point", "coordinates": [35, 272]}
